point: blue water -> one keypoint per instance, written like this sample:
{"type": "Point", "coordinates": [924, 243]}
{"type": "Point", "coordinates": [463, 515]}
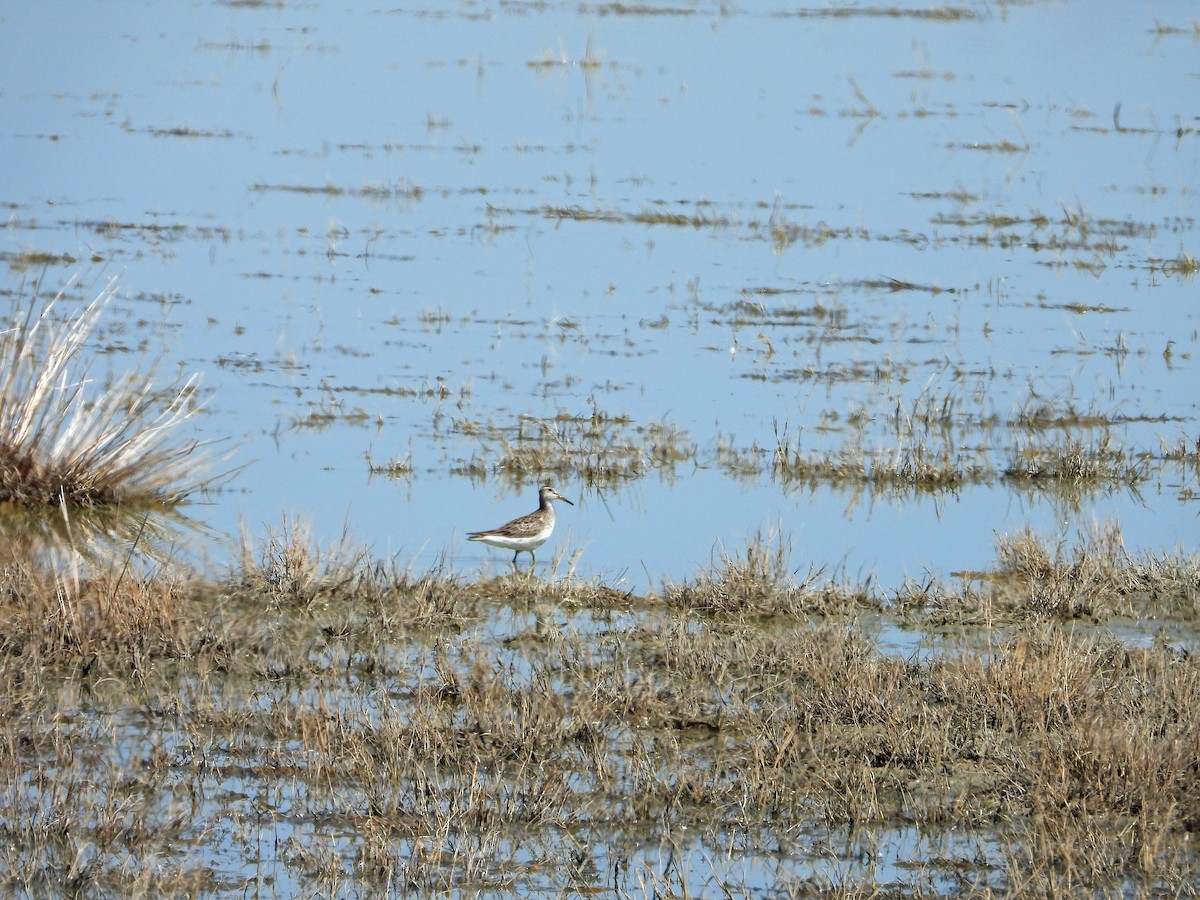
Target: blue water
{"type": "Point", "coordinates": [189, 150]}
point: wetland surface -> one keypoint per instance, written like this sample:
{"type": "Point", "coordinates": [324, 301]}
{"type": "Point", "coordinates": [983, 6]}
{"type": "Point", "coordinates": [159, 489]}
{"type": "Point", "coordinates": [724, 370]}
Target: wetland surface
{"type": "Point", "coordinates": [863, 336]}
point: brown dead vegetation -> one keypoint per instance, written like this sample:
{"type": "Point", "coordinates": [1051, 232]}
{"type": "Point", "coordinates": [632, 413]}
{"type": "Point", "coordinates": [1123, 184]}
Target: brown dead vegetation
{"type": "Point", "coordinates": [429, 732]}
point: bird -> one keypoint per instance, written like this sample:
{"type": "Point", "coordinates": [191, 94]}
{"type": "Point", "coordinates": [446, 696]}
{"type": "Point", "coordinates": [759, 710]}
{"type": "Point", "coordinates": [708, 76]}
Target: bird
{"type": "Point", "coordinates": [526, 533]}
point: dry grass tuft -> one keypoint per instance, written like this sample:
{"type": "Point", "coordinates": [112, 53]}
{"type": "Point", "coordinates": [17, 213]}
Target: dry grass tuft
{"type": "Point", "coordinates": [112, 620]}
{"type": "Point", "coordinates": [761, 582]}
{"type": "Point", "coordinates": [342, 585]}
{"type": "Point", "coordinates": [1184, 265]}
{"type": "Point", "coordinates": [66, 439]}
{"type": "Point", "coordinates": [1093, 579]}
{"type": "Point", "coordinates": [1090, 580]}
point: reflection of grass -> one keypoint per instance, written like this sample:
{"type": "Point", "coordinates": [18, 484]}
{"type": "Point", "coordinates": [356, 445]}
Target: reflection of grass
{"type": "Point", "coordinates": [66, 440]}
{"type": "Point", "coordinates": [67, 542]}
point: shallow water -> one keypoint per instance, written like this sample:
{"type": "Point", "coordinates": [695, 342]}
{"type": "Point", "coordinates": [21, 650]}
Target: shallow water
{"type": "Point", "coordinates": [413, 232]}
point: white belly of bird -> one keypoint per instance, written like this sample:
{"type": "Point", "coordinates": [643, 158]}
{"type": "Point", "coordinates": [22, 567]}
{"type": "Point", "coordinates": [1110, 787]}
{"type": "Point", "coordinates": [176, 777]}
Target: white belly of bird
{"type": "Point", "coordinates": [508, 542]}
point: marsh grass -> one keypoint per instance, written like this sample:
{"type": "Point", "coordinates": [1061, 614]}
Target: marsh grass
{"type": "Point", "coordinates": [778, 229]}
{"type": "Point", "coordinates": [913, 465]}
{"type": "Point", "coordinates": [761, 582]}
{"type": "Point", "coordinates": [642, 217]}
{"type": "Point", "coordinates": [597, 448]}
{"type": "Point", "coordinates": [330, 413]}
{"type": "Point", "coordinates": [376, 191]}
{"type": "Point", "coordinates": [70, 440]}
{"type": "Point", "coordinates": [1185, 449]}
{"type": "Point", "coordinates": [1094, 578]}
{"type": "Point", "coordinates": [30, 259]}
{"type": "Point", "coordinates": [425, 733]}
{"type": "Point", "coordinates": [921, 467]}
{"type": "Point", "coordinates": [340, 584]}
{"type": "Point", "coordinates": [1075, 461]}
{"type": "Point", "coordinates": [937, 442]}
{"type": "Point", "coordinates": [1184, 265]}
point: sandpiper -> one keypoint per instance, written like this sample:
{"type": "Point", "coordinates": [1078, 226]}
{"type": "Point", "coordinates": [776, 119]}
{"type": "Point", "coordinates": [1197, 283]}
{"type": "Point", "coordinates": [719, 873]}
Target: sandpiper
{"type": "Point", "coordinates": [527, 533]}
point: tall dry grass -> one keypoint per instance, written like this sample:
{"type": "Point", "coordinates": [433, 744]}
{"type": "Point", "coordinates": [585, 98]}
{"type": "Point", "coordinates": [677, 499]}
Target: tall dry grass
{"type": "Point", "coordinates": [70, 439]}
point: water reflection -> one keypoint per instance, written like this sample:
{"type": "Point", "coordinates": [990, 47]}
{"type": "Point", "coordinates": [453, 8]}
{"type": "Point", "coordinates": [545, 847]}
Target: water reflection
{"type": "Point", "coordinates": [61, 541]}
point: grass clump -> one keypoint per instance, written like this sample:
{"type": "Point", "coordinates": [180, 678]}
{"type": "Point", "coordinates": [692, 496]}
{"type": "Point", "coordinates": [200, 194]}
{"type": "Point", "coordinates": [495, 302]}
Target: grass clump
{"type": "Point", "coordinates": [1184, 265]}
{"type": "Point", "coordinates": [913, 466]}
{"type": "Point", "coordinates": [68, 440]}
{"type": "Point", "coordinates": [760, 582]}
{"type": "Point", "coordinates": [1045, 581]}
{"type": "Point", "coordinates": [1075, 462]}
{"type": "Point", "coordinates": [597, 448]}
{"type": "Point", "coordinates": [340, 585]}
{"type": "Point", "coordinates": [114, 619]}
{"type": "Point", "coordinates": [1095, 578]}
{"type": "Point", "coordinates": [1093, 583]}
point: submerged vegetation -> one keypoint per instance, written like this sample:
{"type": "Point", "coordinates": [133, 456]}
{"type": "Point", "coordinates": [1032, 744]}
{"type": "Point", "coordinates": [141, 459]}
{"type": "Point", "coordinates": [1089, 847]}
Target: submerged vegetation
{"type": "Point", "coordinates": [393, 732]}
